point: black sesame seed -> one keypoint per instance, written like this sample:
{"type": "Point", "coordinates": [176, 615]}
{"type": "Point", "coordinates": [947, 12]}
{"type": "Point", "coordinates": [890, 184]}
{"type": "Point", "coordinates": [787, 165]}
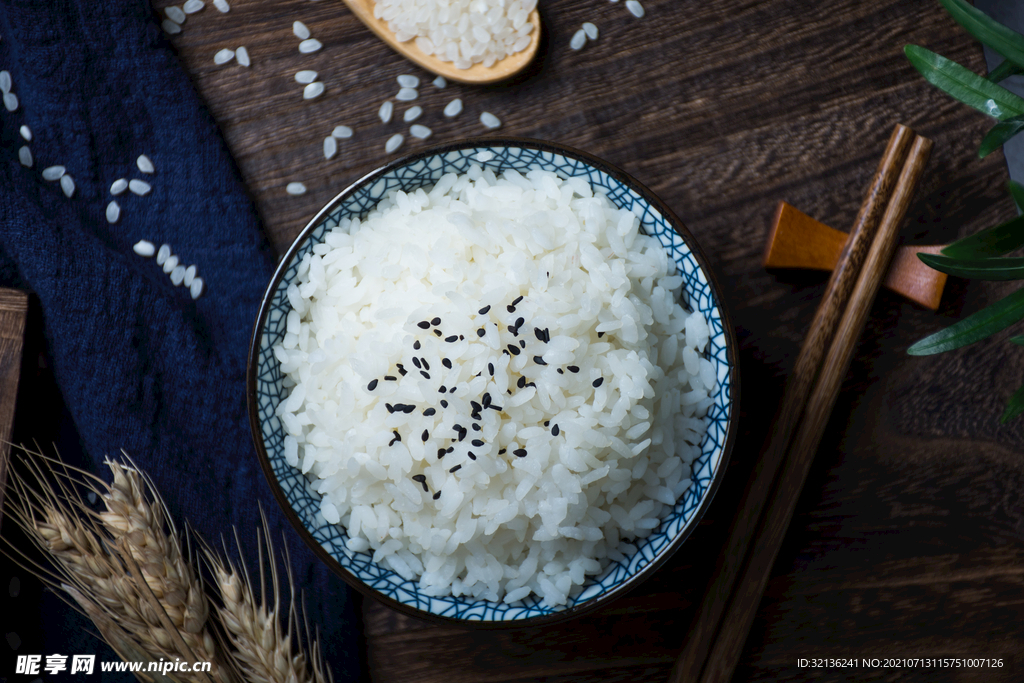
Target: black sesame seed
{"type": "Point", "coordinates": [423, 325]}
{"type": "Point", "coordinates": [440, 453]}
{"type": "Point", "coordinates": [372, 385]}
{"type": "Point", "coordinates": [452, 390]}
{"type": "Point", "coordinates": [522, 343]}
{"type": "Point", "coordinates": [501, 452]}
{"type": "Point", "coordinates": [429, 411]}
{"type": "Point", "coordinates": [481, 332]}
{"type": "Point", "coordinates": [426, 365]}
{"type": "Point", "coordinates": [517, 300]}
{"type": "Point", "coordinates": [435, 322]}
{"type": "Point", "coordinates": [510, 309]}
{"type": "Point", "coordinates": [402, 371]}
{"type": "Point", "coordinates": [461, 337]}
{"type": "Point", "coordinates": [408, 408]}
{"type": "Point", "coordinates": [598, 382]}
{"type": "Point", "coordinates": [462, 435]}
{"type": "Point", "coordinates": [444, 404]}
{"type": "Point", "coordinates": [437, 332]}
{"type": "Point", "coordinates": [487, 400]}
{"type": "Point", "coordinates": [437, 495]}
{"type": "Point", "coordinates": [416, 362]}
{"type": "Point", "coordinates": [416, 345]}
{"type": "Point", "coordinates": [425, 435]}
{"type": "Point", "coordinates": [539, 360]}
{"type": "Point", "coordinates": [483, 311]}
{"type": "Point", "coordinates": [452, 339]}
{"type": "Point", "coordinates": [519, 322]}
{"type": "Point", "coordinates": [600, 334]}
{"type": "Point", "coordinates": [476, 427]}
{"type": "Point", "coordinates": [505, 351]}
{"type": "Point", "coordinates": [457, 427]}
{"type": "Point", "coordinates": [521, 382]}
{"type": "Point", "coordinates": [547, 335]}
{"type": "Point", "coordinates": [441, 389]}
{"type": "Point", "coordinates": [398, 437]}
{"type": "Point", "coordinates": [390, 407]}
{"type": "Point", "coordinates": [554, 430]}
{"type": "Point", "coordinates": [573, 368]}
{"type": "Point", "coordinates": [547, 422]}
{"type": "Point", "coordinates": [490, 369]}
{"type": "Point", "coordinates": [426, 375]}
{"type": "Point", "coordinates": [390, 378]}
{"type": "Point", "coordinates": [450, 449]}
{"type": "Point", "coordinates": [477, 442]}
{"type": "Point", "coordinates": [447, 363]}
{"type": "Point", "coordinates": [519, 452]}
{"type": "Point", "coordinates": [531, 384]}
{"type": "Point", "coordinates": [419, 477]}
{"type": "Point", "coordinates": [455, 469]}
{"type": "Point", "coordinates": [538, 333]}
{"type": "Point", "coordinates": [476, 416]}
{"type": "Point", "coordinates": [559, 371]}
{"type": "Point", "coordinates": [472, 455]}
{"type": "Point", "coordinates": [495, 406]}
{"type": "Point", "coordinates": [476, 406]}
{"type": "Point", "coordinates": [514, 350]}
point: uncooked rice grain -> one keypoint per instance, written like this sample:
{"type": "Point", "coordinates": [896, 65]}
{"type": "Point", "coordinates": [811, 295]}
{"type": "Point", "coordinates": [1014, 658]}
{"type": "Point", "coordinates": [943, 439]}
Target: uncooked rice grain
{"type": "Point", "coordinates": [222, 5]}
{"type": "Point", "coordinates": [330, 147]}
{"type": "Point", "coordinates": [590, 29]}
{"type": "Point", "coordinates": [196, 288]}
{"type": "Point", "coordinates": [25, 156]}
{"type": "Point", "coordinates": [490, 120]}
{"type": "Point", "coordinates": [178, 275]}
{"type": "Point", "coordinates": [170, 27]}
{"type": "Point", "coordinates": [393, 143]}
{"type": "Point", "coordinates": [385, 111]}
{"type": "Point", "coordinates": [53, 172]}
{"type": "Point", "coordinates": [163, 254]}
{"type": "Point", "coordinates": [295, 188]}
{"type": "Point", "coordinates": [412, 113]}
{"type": "Point", "coordinates": [408, 81]}
{"type": "Point", "coordinates": [144, 164]}
{"type": "Point", "coordinates": [305, 76]}
{"type": "Point", "coordinates": [5, 81]}
{"type": "Point", "coordinates": [300, 30]}
{"type": "Point", "coordinates": [635, 8]}
{"type": "Point", "coordinates": [224, 56]}
{"type": "Point", "coordinates": [118, 186]}
{"type": "Point", "coordinates": [26, 133]}
{"type": "Point", "coordinates": [175, 14]}
{"type": "Point", "coordinates": [242, 56]}
{"type": "Point", "coordinates": [453, 108]}
{"type": "Point", "coordinates": [342, 132]}
{"type": "Point", "coordinates": [10, 101]}
{"type": "Point", "coordinates": [190, 274]}
{"type": "Point", "coordinates": [170, 264]}
{"type": "Point", "coordinates": [569, 468]}
{"type": "Point", "coordinates": [193, 6]}
{"type": "Point", "coordinates": [407, 95]}
{"type": "Point", "coordinates": [314, 89]}
{"type": "Point", "coordinates": [440, 82]}
{"type": "Point", "coordinates": [310, 45]}
{"type": "Point", "coordinates": [144, 248]}
{"type": "Point", "coordinates": [579, 39]}
{"type": "Point", "coordinates": [113, 212]}
{"type": "Point", "coordinates": [67, 185]}
{"type": "Point", "coordinates": [419, 132]}
{"type": "Point", "coordinates": [139, 187]}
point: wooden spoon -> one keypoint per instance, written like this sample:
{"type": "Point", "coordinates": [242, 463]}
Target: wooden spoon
{"type": "Point", "coordinates": [478, 74]}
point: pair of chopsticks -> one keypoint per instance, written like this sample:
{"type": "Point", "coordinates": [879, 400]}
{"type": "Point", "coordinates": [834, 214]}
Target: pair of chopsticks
{"type": "Point", "coordinates": [719, 630]}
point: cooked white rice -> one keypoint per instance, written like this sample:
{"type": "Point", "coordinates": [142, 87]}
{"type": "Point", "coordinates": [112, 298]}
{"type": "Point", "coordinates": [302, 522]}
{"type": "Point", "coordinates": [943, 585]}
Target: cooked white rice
{"type": "Point", "coordinates": [561, 434]}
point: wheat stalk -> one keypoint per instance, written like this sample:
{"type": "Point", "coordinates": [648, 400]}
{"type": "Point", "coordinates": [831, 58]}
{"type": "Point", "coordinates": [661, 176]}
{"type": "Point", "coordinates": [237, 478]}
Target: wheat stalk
{"type": "Point", "coordinates": [264, 651]}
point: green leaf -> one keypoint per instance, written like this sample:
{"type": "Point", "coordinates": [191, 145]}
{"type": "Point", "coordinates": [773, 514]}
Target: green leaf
{"type": "Point", "coordinates": [978, 269]}
{"type": "Point", "coordinates": [1018, 340]}
{"type": "Point", "coordinates": [984, 323]}
{"type": "Point", "coordinates": [995, 241]}
{"type": "Point", "coordinates": [1005, 69]}
{"type": "Point", "coordinates": [999, 134]}
{"type": "Point", "coordinates": [1014, 407]}
{"type": "Point", "coordinates": [1003, 40]}
{"type": "Point", "coordinates": [1017, 192]}
{"type": "Point", "coordinates": [965, 85]}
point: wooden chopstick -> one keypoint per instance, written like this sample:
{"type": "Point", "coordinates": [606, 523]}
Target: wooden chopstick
{"type": "Point", "coordinates": [750, 586]}
{"type": "Point", "coordinates": [705, 626]}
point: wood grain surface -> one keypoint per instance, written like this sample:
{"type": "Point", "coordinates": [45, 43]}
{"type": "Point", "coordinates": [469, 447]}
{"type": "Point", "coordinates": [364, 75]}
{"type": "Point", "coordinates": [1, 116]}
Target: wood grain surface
{"type": "Point", "coordinates": [13, 313]}
{"type": "Point", "coordinates": [909, 537]}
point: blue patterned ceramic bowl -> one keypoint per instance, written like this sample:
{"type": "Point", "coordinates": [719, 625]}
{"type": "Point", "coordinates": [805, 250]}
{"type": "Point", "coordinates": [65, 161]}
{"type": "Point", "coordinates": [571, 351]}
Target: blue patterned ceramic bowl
{"type": "Point", "coordinates": [301, 504]}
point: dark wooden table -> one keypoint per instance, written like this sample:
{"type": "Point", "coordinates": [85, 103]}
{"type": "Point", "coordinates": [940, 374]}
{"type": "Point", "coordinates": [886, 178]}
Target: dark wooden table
{"type": "Point", "coordinates": [909, 538]}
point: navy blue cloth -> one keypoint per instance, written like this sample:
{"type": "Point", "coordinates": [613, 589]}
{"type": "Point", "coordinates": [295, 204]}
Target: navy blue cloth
{"type": "Point", "coordinates": [142, 366]}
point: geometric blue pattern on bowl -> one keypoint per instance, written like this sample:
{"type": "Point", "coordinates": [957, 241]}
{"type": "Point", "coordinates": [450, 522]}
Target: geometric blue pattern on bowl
{"type": "Point", "coordinates": [302, 503]}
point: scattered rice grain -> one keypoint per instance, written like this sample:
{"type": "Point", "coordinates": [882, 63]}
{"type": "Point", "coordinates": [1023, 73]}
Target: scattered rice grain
{"type": "Point", "coordinates": [53, 172]}
{"type": "Point", "coordinates": [26, 133]}
{"type": "Point", "coordinates": [190, 275]}
{"type": "Point", "coordinates": [10, 101]}
{"type": "Point", "coordinates": [419, 132]}
{"type": "Point", "coordinates": [342, 132]}
{"type": "Point", "coordinates": [300, 30]}
{"type": "Point", "coordinates": [490, 120]}
{"type": "Point", "coordinates": [144, 164]}
{"type": "Point", "coordinates": [222, 5]}
{"type": "Point", "coordinates": [310, 45]}
{"type": "Point", "coordinates": [5, 81]}
{"type": "Point", "coordinates": [590, 29]}
{"type": "Point", "coordinates": [178, 275]}
{"type": "Point", "coordinates": [314, 89]}
{"type": "Point", "coordinates": [579, 39]}
{"type": "Point", "coordinates": [412, 113]}
{"type": "Point", "coordinates": [439, 82]}
{"type": "Point", "coordinates": [139, 187]}
{"type": "Point", "coordinates": [144, 248]}
{"type": "Point", "coordinates": [67, 185]}
{"type": "Point", "coordinates": [163, 254]}
{"type": "Point", "coordinates": [295, 189]}
{"type": "Point", "coordinates": [25, 156]}
{"type": "Point", "coordinates": [385, 111]}
{"type": "Point", "coordinates": [242, 56]}
{"type": "Point", "coordinates": [408, 81]}
{"type": "Point", "coordinates": [453, 108]}
{"type": "Point", "coordinates": [223, 56]}
{"type": "Point", "coordinates": [175, 14]}
{"type": "Point", "coordinates": [170, 264]}
{"type": "Point", "coordinates": [170, 27]}
{"type": "Point", "coordinates": [196, 288]}
{"type": "Point", "coordinates": [193, 6]}
{"type": "Point", "coordinates": [393, 143]}
{"type": "Point", "coordinates": [113, 212]}
{"type": "Point", "coordinates": [407, 95]}
{"type": "Point", "coordinates": [330, 147]}
{"type": "Point", "coordinates": [118, 186]}
{"type": "Point", "coordinates": [635, 8]}
{"type": "Point", "coordinates": [305, 76]}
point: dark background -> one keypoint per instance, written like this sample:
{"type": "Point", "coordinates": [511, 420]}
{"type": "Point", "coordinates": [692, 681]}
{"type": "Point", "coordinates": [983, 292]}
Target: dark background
{"type": "Point", "coordinates": [907, 541]}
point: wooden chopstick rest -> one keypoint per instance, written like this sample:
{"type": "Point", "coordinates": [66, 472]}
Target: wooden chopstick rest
{"type": "Point", "coordinates": [798, 241]}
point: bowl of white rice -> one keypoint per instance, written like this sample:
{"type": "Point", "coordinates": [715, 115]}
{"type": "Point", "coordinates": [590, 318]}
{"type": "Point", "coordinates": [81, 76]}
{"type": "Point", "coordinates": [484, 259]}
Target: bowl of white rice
{"type": "Point", "coordinates": [493, 383]}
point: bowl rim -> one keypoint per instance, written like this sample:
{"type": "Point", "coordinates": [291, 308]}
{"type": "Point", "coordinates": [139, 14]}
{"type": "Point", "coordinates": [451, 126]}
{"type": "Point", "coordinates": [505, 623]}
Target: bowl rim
{"type": "Point", "coordinates": [730, 347]}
